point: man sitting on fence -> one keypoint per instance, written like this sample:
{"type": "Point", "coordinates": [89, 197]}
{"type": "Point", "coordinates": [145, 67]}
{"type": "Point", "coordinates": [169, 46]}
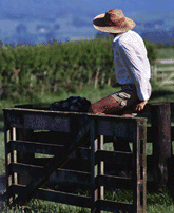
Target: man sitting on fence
{"type": "Point", "coordinates": [132, 70]}
{"type": "Point", "coordinates": [132, 66]}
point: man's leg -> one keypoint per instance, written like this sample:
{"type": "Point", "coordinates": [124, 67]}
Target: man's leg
{"type": "Point", "coordinates": [107, 105]}
{"type": "Point", "coordinates": [113, 105]}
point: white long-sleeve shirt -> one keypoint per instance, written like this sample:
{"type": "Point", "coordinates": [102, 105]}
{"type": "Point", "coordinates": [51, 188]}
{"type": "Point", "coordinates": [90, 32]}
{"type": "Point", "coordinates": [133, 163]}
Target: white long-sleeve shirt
{"type": "Point", "coordinates": [131, 63]}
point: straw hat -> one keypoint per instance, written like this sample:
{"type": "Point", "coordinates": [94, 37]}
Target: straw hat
{"type": "Point", "coordinates": [113, 21]}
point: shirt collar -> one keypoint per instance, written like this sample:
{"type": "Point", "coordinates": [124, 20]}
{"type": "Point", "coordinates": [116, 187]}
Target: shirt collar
{"type": "Point", "coordinates": [115, 39]}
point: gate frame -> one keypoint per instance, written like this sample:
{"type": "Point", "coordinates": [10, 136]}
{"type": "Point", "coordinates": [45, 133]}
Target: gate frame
{"type": "Point", "coordinates": [19, 123]}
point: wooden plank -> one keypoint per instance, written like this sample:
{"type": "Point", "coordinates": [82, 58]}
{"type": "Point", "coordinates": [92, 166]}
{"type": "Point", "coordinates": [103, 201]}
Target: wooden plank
{"type": "Point", "coordinates": [13, 115]}
{"type": "Point", "coordinates": [35, 147]}
{"type": "Point", "coordinates": [112, 206]}
{"type": "Point", "coordinates": [121, 129]}
{"type": "Point", "coordinates": [16, 115]}
{"type": "Point", "coordinates": [114, 157]}
{"type": "Point", "coordinates": [57, 162]}
{"type": "Point", "coordinates": [58, 176]}
{"type": "Point", "coordinates": [81, 165]}
{"type": "Point", "coordinates": [85, 165]}
{"type": "Point", "coordinates": [56, 196]}
{"type": "Point", "coordinates": [114, 182]}
{"type": "Point", "coordinates": [82, 154]}
{"type": "Point", "coordinates": [107, 139]}
{"type": "Point", "coordinates": [41, 120]}
{"type": "Point", "coordinates": [46, 122]}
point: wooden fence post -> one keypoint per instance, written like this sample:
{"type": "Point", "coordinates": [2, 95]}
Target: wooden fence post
{"type": "Point", "coordinates": [162, 146]}
{"type": "Point", "coordinates": [100, 171]}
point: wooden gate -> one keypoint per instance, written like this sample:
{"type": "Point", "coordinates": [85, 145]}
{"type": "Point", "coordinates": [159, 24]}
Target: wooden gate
{"type": "Point", "coordinates": [64, 135]}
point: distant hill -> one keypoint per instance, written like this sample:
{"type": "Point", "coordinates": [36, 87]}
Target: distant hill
{"type": "Point", "coordinates": [159, 36]}
{"type": "Point", "coordinates": [62, 20]}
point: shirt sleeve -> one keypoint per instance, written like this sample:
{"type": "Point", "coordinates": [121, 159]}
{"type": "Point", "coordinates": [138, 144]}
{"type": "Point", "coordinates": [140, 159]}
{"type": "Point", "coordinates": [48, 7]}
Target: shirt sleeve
{"type": "Point", "coordinates": [137, 69]}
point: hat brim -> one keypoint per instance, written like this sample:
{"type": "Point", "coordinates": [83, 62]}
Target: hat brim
{"type": "Point", "coordinates": [99, 24]}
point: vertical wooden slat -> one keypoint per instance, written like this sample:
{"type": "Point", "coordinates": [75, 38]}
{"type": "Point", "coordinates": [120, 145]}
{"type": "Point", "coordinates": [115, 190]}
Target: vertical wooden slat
{"type": "Point", "coordinates": [7, 137]}
{"type": "Point", "coordinates": [144, 166]}
{"type": "Point", "coordinates": [93, 168]}
{"type": "Point", "coordinates": [13, 159]}
{"type": "Point", "coordinates": [10, 157]}
{"type": "Point", "coordinates": [136, 169]}
{"type": "Point", "coordinates": [140, 170]}
{"type": "Point", "coordinates": [20, 177]}
{"type": "Point", "coordinates": [100, 172]}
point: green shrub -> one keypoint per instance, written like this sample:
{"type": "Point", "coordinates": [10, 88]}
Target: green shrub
{"type": "Point", "coordinates": [152, 51]}
{"type": "Point", "coordinates": [31, 71]}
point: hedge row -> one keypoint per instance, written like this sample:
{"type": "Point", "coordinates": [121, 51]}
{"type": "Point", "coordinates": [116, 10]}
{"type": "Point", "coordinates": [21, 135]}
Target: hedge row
{"type": "Point", "coordinates": [30, 71]}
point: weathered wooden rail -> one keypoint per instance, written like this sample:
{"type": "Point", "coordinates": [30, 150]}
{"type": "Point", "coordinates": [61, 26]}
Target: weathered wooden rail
{"type": "Point", "coordinates": [64, 135]}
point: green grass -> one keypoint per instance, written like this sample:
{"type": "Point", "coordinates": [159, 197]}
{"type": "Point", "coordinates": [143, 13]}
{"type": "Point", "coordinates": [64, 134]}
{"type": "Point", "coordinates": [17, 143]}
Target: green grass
{"type": "Point", "coordinates": [166, 53]}
{"type": "Point", "coordinates": [156, 201]}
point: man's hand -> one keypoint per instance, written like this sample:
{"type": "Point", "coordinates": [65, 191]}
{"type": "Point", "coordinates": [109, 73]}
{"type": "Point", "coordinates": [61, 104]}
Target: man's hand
{"type": "Point", "coordinates": [140, 105]}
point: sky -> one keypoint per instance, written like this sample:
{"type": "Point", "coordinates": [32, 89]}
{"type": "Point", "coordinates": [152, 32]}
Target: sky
{"type": "Point", "coordinates": [74, 17]}
{"type": "Point", "coordinates": [100, 6]}
{"type": "Point", "coordinates": [130, 6]}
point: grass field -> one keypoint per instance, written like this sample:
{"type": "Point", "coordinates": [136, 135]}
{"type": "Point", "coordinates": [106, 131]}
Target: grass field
{"type": "Point", "coordinates": [156, 202]}
{"type": "Point", "coordinates": [166, 53]}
